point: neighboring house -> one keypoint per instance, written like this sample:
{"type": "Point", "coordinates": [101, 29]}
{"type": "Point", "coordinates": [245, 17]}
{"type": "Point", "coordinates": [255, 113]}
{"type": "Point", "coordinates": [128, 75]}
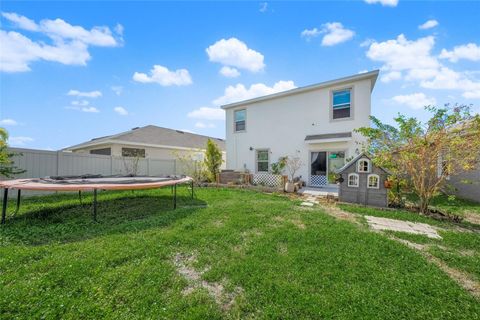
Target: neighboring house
{"type": "Point", "coordinates": [315, 123]}
{"type": "Point", "coordinates": [466, 185]}
{"type": "Point", "coordinates": [363, 182]}
{"type": "Point", "coordinates": [147, 142]}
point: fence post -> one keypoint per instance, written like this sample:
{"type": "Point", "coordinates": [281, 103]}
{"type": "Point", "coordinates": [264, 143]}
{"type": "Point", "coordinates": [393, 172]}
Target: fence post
{"type": "Point", "coordinates": [148, 166]}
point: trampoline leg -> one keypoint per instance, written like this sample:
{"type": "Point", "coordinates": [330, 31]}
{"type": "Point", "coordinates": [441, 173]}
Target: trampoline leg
{"type": "Point", "coordinates": [174, 196]}
{"type": "Point", "coordinates": [4, 206]}
{"type": "Point", "coordinates": [94, 204]}
{"type": "Point", "coordinates": [19, 194]}
{"type": "Point", "coordinates": [80, 196]}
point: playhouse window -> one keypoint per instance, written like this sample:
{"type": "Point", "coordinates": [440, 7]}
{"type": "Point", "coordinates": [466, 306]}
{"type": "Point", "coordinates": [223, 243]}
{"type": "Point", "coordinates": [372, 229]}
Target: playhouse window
{"type": "Point", "coordinates": [373, 181]}
{"type": "Point", "coordinates": [353, 180]}
{"type": "Point", "coordinates": [363, 165]}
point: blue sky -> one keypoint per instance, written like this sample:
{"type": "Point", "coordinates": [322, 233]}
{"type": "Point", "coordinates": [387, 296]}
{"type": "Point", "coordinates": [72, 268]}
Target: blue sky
{"type": "Point", "coordinates": [73, 71]}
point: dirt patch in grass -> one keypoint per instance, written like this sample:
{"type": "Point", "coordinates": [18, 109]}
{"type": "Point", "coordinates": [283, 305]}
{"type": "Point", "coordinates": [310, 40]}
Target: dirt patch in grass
{"type": "Point", "coordinates": [183, 264]}
{"type": "Point", "coordinates": [338, 213]}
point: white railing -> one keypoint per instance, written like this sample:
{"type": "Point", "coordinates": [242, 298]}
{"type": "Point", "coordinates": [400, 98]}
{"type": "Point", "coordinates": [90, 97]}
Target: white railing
{"type": "Point", "coordinates": [268, 179]}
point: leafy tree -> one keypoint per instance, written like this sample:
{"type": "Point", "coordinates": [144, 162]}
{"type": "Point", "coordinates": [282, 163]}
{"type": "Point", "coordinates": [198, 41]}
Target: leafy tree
{"type": "Point", "coordinates": [213, 160]}
{"type": "Point", "coordinates": [7, 169]}
{"type": "Point", "coordinates": [192, 165]}
{"type": "Point", "coordinates": [279, 166]}
{"type": "Point", "coordinates": [423, 155]}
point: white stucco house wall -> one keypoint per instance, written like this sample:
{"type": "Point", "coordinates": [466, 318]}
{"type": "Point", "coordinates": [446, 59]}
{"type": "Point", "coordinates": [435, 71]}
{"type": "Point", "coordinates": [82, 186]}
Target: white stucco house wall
{"type": "Point", "coordinates": [315, 123]}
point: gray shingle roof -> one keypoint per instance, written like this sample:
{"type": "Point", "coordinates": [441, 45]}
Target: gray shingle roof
{"type": "Point", "coordinates": [155, 136]}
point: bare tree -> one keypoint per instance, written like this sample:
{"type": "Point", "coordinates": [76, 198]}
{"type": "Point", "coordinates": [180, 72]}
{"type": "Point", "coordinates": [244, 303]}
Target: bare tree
{"type": "Point", "coordinates": [293, 164]}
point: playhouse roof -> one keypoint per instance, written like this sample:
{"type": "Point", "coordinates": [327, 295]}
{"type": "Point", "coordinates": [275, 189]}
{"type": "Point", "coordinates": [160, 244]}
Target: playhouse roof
{"type": "Point", "coordinates": [354, 160]}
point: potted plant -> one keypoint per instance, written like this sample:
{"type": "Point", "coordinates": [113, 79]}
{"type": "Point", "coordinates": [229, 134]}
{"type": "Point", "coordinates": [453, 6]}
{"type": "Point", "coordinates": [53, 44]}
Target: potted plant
{"type": "Point", "coordinates": [292, 164]}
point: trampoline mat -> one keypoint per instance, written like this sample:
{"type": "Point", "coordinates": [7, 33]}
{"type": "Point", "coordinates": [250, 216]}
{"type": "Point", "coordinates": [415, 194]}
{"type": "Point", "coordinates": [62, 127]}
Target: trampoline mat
{"type": "Point", "coordinates": [90, 182]}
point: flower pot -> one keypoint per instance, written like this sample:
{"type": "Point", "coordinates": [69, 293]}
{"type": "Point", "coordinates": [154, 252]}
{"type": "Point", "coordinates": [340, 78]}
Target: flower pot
{"type": "Point", "coordinates": [290, 187]}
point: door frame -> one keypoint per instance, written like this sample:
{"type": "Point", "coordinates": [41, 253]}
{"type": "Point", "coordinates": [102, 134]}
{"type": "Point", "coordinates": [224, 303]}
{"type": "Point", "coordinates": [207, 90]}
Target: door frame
{"type": "Point", "coordinates": [328, 151]}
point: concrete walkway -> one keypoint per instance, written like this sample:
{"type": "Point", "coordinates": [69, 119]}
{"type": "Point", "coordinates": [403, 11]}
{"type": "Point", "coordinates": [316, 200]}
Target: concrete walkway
{"type": "Point", "coordinates": [377, 223]}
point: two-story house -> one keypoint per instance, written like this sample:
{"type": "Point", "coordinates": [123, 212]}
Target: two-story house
{"type": "Point", "coordinates": [314, 123]}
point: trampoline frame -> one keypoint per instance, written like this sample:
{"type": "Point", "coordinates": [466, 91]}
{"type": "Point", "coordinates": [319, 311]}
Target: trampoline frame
{"type": "Point", "coordinates": [8, 186]}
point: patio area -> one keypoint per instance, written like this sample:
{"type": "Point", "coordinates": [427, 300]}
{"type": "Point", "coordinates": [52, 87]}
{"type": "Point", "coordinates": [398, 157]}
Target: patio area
{"type": "Point", "coordinates": [324, 191]}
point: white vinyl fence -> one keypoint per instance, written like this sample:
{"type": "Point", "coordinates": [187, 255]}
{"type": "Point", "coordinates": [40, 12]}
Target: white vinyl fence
{"type": "Point", "coordinates": [42, 163]}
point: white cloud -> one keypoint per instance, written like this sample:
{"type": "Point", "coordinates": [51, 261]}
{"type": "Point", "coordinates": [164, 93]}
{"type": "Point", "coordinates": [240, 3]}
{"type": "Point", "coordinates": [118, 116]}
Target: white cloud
{"type": "Point", "coordinates": [335, 34]}
{"type": "Point", "coordinates": [89, 109]}
{"type": "Point", "coordinates": [402, 54]}
{"type": "Point", "coordinates": [8, 122]}
{"type": "Point", "coordinates": [21, 21]}
{"type": "Point", "coordinates": [263, 7]}
{"type": "Point", "coordinates": [164, 77]}
{"type": "Point", "coordinates": [207, 113]}
{"type": "Point", "coordinates": [229, 72]}
{"type": "Point", "coordinates": [240, 92]}
{"type": "Point", "coordinates": [235, 53]}
{"type": "Point", "coordinates": [390, 76]}
{"type": "Point", "coordinates": [386, 3]}
{"type": "Point", "coordinates": [117, 89]}
{"type": "Point", "coordinates": [84, 109]}
{"type": "Point", "coordinates": [367, 42]}
{"type": "Point", "coordinates": [413, 61]}
{"type": "Point", "coordinates": [121, 111]}
{"type": "Point", "coordinates": [19, 141]}
{"type": "Point", "coordinates": [414, 100]}
{"type": "Point", "coordinates": [203, 125]}
{"type": "Point", "coordinates": [468, 51]}
{"type": "Point", "coordinates": [69, 43]}
{"type": "Point", "coordinates": [308, 34]}
{"type": "Point", "coordinates": [89, 94]}
{"type": "Point", "coordinates": [81, 103]}
{"type": "Point", "coordinates": [428, 25]}
{"type": "Point", "coordinates": [362, 71]}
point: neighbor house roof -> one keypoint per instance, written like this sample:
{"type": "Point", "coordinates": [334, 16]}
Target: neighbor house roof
{"type": "Point", "coordinates": [153, 136]}
{"type": "Point", "coordinates": [372, 75]}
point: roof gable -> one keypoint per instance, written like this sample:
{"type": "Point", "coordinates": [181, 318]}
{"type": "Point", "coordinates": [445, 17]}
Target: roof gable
{"type": "Point", "coordinates": [372, 75]}
{"type": "Point", "coordinates": [153, 135]}
{"type": "Point", "coordinates": [354, 161]}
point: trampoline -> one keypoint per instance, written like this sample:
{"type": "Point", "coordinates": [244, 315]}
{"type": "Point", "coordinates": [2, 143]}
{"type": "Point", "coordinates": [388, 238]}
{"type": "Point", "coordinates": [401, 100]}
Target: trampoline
{"type": "Point", "coordinates": [90, 183]}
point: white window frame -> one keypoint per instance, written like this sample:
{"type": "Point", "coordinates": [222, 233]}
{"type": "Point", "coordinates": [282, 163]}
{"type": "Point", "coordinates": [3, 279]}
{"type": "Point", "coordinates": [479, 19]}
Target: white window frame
{"type": "Point", "coordinates": [357, 180]}
{"type": "Point", "coordinates": [368, 165]}
{"type": "Point", "coordinates": [235, 122]}
{"type": "Point", "coordinates": [352, 95]}
{"type": "Point", "coordinates": [378, 181]}
{"type": "Point", "coordinates": [268, 160]}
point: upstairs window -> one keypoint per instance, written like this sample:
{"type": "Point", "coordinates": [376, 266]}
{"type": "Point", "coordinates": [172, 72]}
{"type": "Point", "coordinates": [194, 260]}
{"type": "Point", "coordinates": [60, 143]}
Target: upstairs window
{"type": "Point", "coordinates": [133, 152]}
{"type": "Point", "coordinates": [239, 120]}
{"type": "Point", "coordinates": [373, 181]}
{"type": "Point", "coordinates": [363, 165]}
{"type": "Point", "coordinates": [341, 104]}
{"type": "Point", "coordinates": [262, 160]}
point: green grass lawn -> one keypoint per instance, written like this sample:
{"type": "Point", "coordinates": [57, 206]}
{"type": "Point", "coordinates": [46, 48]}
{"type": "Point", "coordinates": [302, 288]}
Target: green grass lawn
{"type": "Point", "coordinates": [289, 262]}
{"type": "Point", "coordinates": [460, 250]}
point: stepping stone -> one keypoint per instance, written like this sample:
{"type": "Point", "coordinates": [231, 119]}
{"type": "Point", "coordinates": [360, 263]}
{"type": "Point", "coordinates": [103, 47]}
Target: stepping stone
{"type": "Point", "coordinates": [306, 204]}
{"type": "Point", "coordinates": [377, 223]}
